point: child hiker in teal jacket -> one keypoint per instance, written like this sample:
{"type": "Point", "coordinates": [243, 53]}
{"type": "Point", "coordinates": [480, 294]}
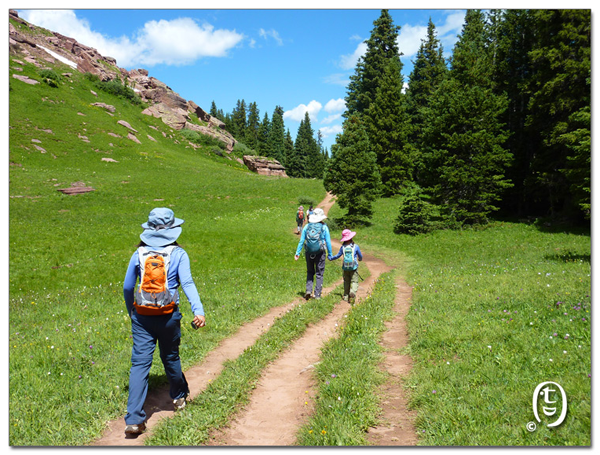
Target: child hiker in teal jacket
{"type": "Point", "coordinates": [351, 253]}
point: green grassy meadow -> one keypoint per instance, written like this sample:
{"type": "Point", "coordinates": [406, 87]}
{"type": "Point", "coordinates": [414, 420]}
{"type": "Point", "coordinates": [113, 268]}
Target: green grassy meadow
{"type": "Point", "coordinates": [495, 311]}
{"type": "Point", "coordinates": [69, 331]}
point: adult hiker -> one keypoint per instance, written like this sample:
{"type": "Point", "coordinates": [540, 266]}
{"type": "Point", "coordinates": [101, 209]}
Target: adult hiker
{"type": "Point", "coordinates": [316, 241]}
{"type": "Point", "coordinates": [300, 217]}
{"type": "Point", "coordinates": [161, 266]}
{"type": "Point", "coordinates": [352, 254]}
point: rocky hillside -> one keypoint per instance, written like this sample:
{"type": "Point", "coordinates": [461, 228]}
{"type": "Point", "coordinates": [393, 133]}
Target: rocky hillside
{"type": "Point", "coordinates": [45, 48]}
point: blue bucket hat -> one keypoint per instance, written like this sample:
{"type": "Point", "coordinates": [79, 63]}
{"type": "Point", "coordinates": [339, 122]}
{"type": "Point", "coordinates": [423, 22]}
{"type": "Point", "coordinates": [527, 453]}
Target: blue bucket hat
{"type": "Point", "coordinates": [162, 228]}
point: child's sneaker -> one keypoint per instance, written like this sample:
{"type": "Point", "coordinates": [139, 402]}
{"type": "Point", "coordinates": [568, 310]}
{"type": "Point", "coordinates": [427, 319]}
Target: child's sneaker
{"type": "Point", "coordinates": [307, 296]}
{"type": "Point", "coordinates": [179, 403]}
{"type": "Point", "coordinates": [351, 299]}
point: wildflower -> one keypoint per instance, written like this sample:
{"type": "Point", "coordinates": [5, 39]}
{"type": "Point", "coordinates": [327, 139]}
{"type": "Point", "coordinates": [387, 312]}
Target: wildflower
{"type": "Point", "coordinates": [433, 391]}
{"type": "Point", "coordinates": [333, 376]}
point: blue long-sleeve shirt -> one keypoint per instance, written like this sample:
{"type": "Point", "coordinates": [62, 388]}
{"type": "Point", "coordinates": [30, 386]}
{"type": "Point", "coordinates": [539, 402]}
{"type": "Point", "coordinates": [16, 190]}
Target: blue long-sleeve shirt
{"type": "Point", "coordinates": [179, 275]}
{"type": "Point", "coordinates": [357, 253]}
{"type": "Point", "coordinates": [324, 236]}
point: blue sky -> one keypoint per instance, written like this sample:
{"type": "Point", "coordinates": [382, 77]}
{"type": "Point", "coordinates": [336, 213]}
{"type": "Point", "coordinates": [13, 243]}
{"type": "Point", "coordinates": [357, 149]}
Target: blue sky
{"type": "Point", "coordinates": [300, 59]}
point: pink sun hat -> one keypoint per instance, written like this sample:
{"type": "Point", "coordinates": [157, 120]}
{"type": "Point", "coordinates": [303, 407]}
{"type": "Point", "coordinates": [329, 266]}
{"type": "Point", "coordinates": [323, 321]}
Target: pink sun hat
{"type": "Point", "coordinates": [347, 234]}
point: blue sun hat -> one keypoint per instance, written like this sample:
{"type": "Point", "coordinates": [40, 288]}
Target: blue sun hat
{"type": "Point", "coordinates": [162, 228]}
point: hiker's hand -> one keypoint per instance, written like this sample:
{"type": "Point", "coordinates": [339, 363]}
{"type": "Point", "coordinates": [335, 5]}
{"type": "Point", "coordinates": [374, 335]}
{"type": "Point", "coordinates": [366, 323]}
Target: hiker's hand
{"type": "Point", "coordinates": [296, 257]}
{"type": "Point", "coordinates": [199, 321]}
{"type": "Point", "coordinates": [330, 257]}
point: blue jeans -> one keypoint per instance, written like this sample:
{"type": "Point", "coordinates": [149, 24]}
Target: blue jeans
{"type": "Point", "coordinates": [146, 331]}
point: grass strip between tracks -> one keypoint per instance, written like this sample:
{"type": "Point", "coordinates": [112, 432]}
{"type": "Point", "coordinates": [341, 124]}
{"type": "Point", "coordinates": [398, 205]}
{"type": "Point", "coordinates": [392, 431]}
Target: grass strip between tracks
{"type": "Point", "coordinates": [214, 407]}
{"type": "Point", "coordinates": [348, 375]}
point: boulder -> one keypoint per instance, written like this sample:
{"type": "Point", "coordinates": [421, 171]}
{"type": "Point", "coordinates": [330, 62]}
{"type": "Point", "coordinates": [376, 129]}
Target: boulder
{"type": "Point", "coordinates": [264, 166]}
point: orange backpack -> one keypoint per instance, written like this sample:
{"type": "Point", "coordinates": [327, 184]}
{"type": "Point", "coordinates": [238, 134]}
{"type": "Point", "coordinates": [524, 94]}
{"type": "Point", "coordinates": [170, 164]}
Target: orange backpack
{"type": "Point", "coordinates": [153, 297]}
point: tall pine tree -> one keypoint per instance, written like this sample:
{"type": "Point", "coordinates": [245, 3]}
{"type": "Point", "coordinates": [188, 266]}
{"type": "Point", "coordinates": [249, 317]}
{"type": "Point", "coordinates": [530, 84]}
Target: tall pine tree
{"type": "Point", "coordinates": [464, 132]}
{"type": "Point", "coordinates": [277, 136]}
{"type": "Point", "coordinates": [352, 173]}
{"type": "Point", "coordinates": [387, 125]}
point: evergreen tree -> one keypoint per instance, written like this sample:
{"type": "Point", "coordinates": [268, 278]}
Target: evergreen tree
{"type": "Point", "coordinates": [307, 150]}
{"type": "Point", "coordinates": [277, 136]}
{"type": "Point", "coordinates": [559, 106]}
{"type": "Point", "coordinates": [381, 48]}
{"type": "Point", "coordinates": [213, 109]}
{"type": "Point", "coordinates": [387, 125]}
{"type": "Point", "coordinates": [352, 173]}
{"type": "Point", "coordinates": [263, 136]}
{"type": "Point", "coordinates": [251, 138]}
{"type": "Point", "coordinates": [239, 120]}
{"type": "Point", "coordinates": [428, 72]}
{"type": "Point", "coordinates": [293, 166]}
{"type": "Point", "coordinates": [512, 72]}
{"type": "Point", "coordinates": [467, 160]}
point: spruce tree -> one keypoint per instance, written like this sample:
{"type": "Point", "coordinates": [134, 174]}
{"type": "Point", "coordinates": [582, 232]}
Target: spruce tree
{"type": "Point", "coordinates": [428, 72]}
{"type": "Point", "coordinates": [387, 125]}
{"type": "Point", "coordinates": [352, 173]}
{"type": "Point", "coordinates": [263, 136]}
{"type": "Point", "coordinates": [511, 75]}
{"type": "Point", "coordinates": [307, 150]}
{"type": "Point", "coordinates": [465, 136]}
{"type": "Point", "coordinates": [251, 138]}
{"type": "Point", "coordinates": [277, 136]}
{"type": "Point", "coordinates": [559, 107]}
{"type": "Point", "coordinates": [239, 120]}
{"type": "Point", "coordinates": [292, 162]}
{"type": "Point", "coordinates": [382, 47]}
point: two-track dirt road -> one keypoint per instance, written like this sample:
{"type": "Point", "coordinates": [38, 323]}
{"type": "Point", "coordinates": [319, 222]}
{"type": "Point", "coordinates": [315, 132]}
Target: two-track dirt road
{"type": "Point", "coordinates": [278, 406]}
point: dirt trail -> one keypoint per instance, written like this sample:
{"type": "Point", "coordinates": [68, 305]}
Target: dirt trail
{"type": "Point", "coordinates": [282, 400]}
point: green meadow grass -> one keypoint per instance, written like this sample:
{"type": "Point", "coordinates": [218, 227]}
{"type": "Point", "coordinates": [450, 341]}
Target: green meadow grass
{"type": "Point", "coordinates": [69, 340]}
{"type": "Point", "coordinates": [495, 312]}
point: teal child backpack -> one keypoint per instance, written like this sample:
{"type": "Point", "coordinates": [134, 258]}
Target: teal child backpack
{"type": "Point", "coordinates": [312, 242]}
{"type": "Point", "coordinates": [349, 261]}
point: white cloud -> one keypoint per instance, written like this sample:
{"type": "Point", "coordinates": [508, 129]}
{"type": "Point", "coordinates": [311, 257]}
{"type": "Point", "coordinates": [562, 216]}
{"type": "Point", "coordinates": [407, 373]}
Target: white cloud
{"type": "Point", "coordinates": [327, 131]}
{"type": "Point", "coordinates": [409, 39]}
{"type": "Point", "coordinates": [271, 33]}
{"type": "Point", "coordinates": [338, 105]}
{"type": "Point", "coordinates": [297, 114]}
{"type": "Point", "coordinates": [177, 42]}
{"type": "Point", "coordinates": [337, 79]}
{"type": "Point", "coordinates": [348, 62]}
{"type": "Point", "coordinates": [330, 119]}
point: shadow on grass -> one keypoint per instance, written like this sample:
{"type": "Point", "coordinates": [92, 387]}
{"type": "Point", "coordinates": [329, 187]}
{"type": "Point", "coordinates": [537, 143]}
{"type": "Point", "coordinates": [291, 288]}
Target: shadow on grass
{"type": "Point", "coordinates": [569, 257]}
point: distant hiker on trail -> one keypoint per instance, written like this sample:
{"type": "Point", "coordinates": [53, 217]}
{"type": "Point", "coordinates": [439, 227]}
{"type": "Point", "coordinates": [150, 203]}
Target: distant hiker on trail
{"type": "Point", "coordinates": [351, 254]}
{"type": "Point", "coordinates": [300, 216]}
{"type": "Point", "coordinates": [316, 241]}
{"type": "Point", "coordinates": [310, 212]}
{"type": "Point", "coordinates": [162, 266]}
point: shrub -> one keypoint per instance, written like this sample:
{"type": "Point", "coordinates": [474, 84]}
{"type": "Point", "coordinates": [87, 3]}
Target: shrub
{"type": "Point", "coordinates": [416, 216]}
{"type": "Point", "coordinates": [306, 202]}
{"type": "Point", "coordinates": [50, 77]}
{"type": "Point", "coordinates": [202, 139]}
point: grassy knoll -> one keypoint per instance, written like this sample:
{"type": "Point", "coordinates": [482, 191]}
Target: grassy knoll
{"type": "Point", "coordinates": [495, 312]}
{"type": "Point", "coordinates": [69, 333]}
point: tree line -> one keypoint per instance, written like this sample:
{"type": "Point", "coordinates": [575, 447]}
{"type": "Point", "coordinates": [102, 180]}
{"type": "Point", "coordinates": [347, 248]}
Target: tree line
{"type": "Point", "coordinates": [303, 158]}
{"type": "Point", "coordinates": [502, 126]}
